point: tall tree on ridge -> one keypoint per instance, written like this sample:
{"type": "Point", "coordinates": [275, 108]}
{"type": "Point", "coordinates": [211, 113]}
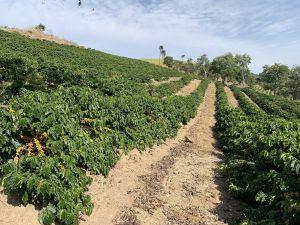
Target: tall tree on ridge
{"type": "Point", "coordinates": [161, 49]}
{"type": "Point", "coordinates": [225, 66]}
{"type": "Point", "coordinates": [243, 61]}
{"type": "Point", "coordinates": [274, 77]}
{"type": "Point", "coordinates": [203, 64]}
{"type": "Point", "coordinates": [163, 54]}
{"type": "Point", "coordinates": [293, 84]}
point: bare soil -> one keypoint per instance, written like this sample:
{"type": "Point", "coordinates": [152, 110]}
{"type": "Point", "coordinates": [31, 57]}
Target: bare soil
{"type": "Point", "coordinates": [231, 99]}
{"type": "Point", "coordinates": [175, 183]}
{"type": "Point", "coordinates": [188, 89]}
{"type": "Point", "coordinates": [13, 213]}
{"type": "Point", "coordinates": [171, 79]}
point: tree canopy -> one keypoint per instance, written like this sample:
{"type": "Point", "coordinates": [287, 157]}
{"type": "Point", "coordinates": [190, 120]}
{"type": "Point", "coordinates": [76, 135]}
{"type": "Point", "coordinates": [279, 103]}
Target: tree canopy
{"type": "Point", "coordinates": [231, 67]}
{"type": "Point", "coordinates": [169, 61]}
{"type": "Point", "coordinates": [203, 64]}
{"type": "Point", "coordinates": [274, 77]}
{"type": "Point", "coordinates": [293, 83]}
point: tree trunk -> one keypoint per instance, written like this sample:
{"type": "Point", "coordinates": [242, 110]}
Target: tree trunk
{"type": "Point", "coordinates": [159, 59]}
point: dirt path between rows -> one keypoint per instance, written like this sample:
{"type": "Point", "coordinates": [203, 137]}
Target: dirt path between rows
{"type": "Point", "coordinates": [189, 88]}
{"type": "Point", "coordinates": [231, 99]}
{"type": "Point", "coordinates": [174, 183]}
{"type": "Point", "coordinates": [171, 79]}
{"type": "Point", "coordinates": [11, 213]}
{"type": "Point", "coordinates": [177, 182]}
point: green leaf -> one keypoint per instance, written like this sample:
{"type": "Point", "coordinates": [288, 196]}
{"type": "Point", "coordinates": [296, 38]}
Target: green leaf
{"type": "Point", "coordinates": [15, 143]}
{"type": "Point", "coordinates": [47, 215]}
{"type": "Point", "coordinates": [25, 198]}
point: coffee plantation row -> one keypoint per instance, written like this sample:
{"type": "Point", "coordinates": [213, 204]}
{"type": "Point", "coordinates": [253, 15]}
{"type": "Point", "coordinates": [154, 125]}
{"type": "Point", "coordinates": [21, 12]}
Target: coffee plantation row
{"type": "Point", "coordinates": [49, 139]}
{"type": "Point", "coordinates": [77, 129]}
{"type": "Point", "coordinates": [274, 105]}
{"type": "Point", "coordinates": [262, 160]}
{"type": "Point", "coordinates": [248, 107]}
{"type": "Point", "coordinates": [76, 110]}
{"type": "Point", "coordinates": [167, 89]}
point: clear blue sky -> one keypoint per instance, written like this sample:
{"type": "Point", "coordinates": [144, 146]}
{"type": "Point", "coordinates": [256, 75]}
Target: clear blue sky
{"type": "Point", "coordinates": [268, 30]}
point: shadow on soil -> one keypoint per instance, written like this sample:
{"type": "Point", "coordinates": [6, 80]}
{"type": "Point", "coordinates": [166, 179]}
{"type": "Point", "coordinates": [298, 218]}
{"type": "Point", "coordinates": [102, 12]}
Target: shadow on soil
{"type": "Point", "coordinates": [230, 208]}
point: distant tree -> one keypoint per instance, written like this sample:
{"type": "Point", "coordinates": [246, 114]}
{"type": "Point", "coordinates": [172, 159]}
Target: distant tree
{"type": "Point", "coordinates": [40, 27]}
{"type": "Point", "coordinates": [274, 77]}
{"type": "Point", "coordinates": [224, 66]}
{"type": "Point", "coordinates": [161, 51]}
{"type": "Point", "coordinates": [251, 79]}
{"type": "Point", "coordinates": [188, 66]}
{"type": "Point", "coordinates": [182, 56]}
{"type": "Point", "coordinates": [190, 60]}
{"type": "Point", "coordinates": [242, 62]}
{"type": "Point", "coordinates": [163, 54]}
{"type": "Point", "coordinates": [169, 61]}
{"type": "Point", "coordinates": [177, 64]}
{"type": "Point", "coordinates": [203, 64]}
{"type": "Point", "coordinates": [293, 84]}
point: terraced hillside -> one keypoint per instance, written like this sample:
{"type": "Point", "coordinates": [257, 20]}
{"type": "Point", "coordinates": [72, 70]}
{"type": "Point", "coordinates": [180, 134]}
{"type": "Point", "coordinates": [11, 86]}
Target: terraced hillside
{"type": "Point", "coordinates": [92, 138]}
{"type": "Point", "coordinates": [51, 63]}
{"type": "Point", "coordinates": [77, 110]}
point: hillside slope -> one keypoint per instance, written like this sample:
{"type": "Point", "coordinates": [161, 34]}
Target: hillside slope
{"type": "Point", "coordinates": [38, 34]}
{"type": "Point", "coordinates": [69, 110]}
{"type": "Point", "coordinates": [61, 63]}
{"type": "Point", "coordinates": [155, 61]}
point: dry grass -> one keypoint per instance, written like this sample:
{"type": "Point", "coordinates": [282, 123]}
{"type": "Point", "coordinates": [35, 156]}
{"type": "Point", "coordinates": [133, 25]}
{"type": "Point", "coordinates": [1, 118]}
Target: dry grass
{"type": "Point", "coordinates": [155, 62]}
{"type": "Point", "coordinates": [37, 34]}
